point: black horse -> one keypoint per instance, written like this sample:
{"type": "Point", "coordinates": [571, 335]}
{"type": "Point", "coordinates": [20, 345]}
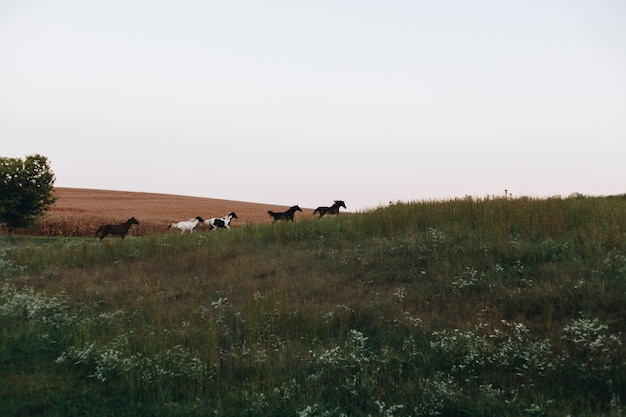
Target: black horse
{"type": "Point", "coordinates": [285, 215]}
{"type": "Point", "coordinates": [334, 209]}
{"type": "Point", "coordinates": [115, 229]}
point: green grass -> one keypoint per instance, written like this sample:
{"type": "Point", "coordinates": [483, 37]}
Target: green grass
{"type": "Point", "coordinates": [468, 307]}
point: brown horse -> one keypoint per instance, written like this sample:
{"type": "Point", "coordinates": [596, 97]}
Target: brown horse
{"type": "Point", "coordinates": [115, 229]}
{"type": "Point", "coordinates": [334, 209]}
{"type": "Point", "coordinates": [285, 215]}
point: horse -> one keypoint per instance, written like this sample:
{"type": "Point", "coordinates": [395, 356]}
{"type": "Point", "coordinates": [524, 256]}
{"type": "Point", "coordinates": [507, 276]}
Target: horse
{"type": "Point", "coordinates": [116, 229]}
{"type": "Point", "coordinates": [223, 222]}
{"type": "Point", "coordinates": [285, 215]}
{"type": "Point", "coordinates": [334, 209]}
{"type": "Point", "coordinates": [186, 225]}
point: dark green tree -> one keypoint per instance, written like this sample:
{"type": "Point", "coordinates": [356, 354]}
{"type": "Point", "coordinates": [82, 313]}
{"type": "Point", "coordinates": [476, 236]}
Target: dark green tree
{"type": "Point", "coordinates": [25, 190]}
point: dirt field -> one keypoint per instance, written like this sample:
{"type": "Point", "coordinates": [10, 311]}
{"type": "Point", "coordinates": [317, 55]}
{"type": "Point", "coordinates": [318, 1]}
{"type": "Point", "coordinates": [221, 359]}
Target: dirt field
{"type": "Point", "coordinates": [79, 212]}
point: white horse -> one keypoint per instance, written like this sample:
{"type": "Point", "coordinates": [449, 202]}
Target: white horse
{"type": "Point", "coordinates": [186, 225]}
{"type": "Point", "coordinates": [223, 222]}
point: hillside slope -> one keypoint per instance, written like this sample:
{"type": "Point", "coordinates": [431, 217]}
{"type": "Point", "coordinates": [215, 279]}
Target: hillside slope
{"type": "Point", "coordinates": [79, 212]}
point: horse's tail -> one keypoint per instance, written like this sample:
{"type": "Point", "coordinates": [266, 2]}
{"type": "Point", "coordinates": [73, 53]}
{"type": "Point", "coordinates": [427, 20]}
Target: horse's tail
{"type": "Point", "coordinates": [316, 210]}
{"type": "Point", "coordinates": [99, 231]}
{"type": "Point", "coordinates": [169, 226]}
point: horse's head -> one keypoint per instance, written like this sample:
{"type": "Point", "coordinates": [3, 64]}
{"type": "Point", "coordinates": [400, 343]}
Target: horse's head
{"type": "Point", "coordinates": [340, 203]}
{"type": "Point", "coordinates": [132, 220]}
{"type": "Point", "coordinates": [296, 208]}
{"type": "Point", "coordinates": [233, 215]}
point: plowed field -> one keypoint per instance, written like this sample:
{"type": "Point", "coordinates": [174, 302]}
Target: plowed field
{"type": "Point", "coordinates": [79, 212]}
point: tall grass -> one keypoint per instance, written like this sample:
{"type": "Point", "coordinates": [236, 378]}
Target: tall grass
{"type": "Point", "coordinates": [464, 307]}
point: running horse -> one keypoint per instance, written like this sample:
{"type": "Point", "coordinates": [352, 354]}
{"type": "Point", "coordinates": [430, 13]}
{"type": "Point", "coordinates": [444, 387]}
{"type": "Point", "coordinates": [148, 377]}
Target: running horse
{"type": "Point", "coordinates": [221, 222]}
{"type": "Point", "coordinates": [334, 209]}
{"type": "Point", "coordinates": [285, 215]}
{"type": "Point", "coordinates": [116, 229]}
{"type": "Point", "coordinates": [186, 225]}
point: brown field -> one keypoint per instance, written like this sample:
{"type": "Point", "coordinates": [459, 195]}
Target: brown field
{"type": "Point", "coordinates": [79, 212]}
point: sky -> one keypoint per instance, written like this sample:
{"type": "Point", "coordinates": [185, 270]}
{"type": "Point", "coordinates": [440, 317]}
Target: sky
{"type": "Point", "coordinates": [294, 102]}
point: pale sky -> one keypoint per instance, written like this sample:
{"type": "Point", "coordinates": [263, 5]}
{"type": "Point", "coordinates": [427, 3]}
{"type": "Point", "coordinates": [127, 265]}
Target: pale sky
{"type": "Point", "coordinates": [305, 102]}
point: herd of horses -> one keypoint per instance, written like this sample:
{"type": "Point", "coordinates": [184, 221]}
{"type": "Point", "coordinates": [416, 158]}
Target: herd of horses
{"type": "Point", "coordinates": [121, 229]}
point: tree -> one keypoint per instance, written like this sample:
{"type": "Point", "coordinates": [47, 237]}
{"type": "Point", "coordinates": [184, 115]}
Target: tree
{"type": "Point", "coordinates": [25, 190]}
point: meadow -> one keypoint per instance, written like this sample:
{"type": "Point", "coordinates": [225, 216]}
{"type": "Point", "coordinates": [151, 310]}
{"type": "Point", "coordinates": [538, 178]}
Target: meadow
{"type": "Point", "coordinates": [465, 307]}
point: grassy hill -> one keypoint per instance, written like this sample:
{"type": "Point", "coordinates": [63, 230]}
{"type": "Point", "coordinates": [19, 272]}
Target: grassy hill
{"type": "Point", "coordinates": [468, 307]}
